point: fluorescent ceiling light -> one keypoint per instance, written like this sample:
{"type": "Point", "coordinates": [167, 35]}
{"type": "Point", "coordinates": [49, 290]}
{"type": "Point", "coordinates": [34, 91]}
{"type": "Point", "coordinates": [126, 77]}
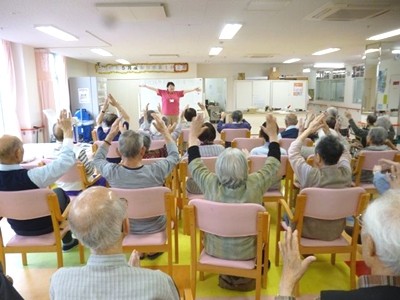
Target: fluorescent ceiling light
{"type": "Point", "coordinates": [396, 51]}
{"type": "Point", "coordinates": [215, 51]}
{"type": "Point", "coordinates": [306, 70]}
{"type": "Point", "coordinates": [101, 52]}
{"type": "Point", "coordinates": [384, 35]}
{"type": "Point", "coordinates": [123, 61]}
{"type": "Point", "coordinates": [329, 65]}
{"type": "Point", "coordinates": [326, 51]}
{"type": "Point", "coordinates": [229, 31]}
{"type": "Point", "coordinates": [57, 33]}
{"type": "Point", "coordinates": [371, 50]}
{"type": "Point", "coordinates": [292, 60]}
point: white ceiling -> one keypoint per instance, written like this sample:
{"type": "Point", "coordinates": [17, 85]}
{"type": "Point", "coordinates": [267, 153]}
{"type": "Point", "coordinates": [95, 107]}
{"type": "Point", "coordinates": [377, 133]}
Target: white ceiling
{"type": "Point", "coordinates": [270, 27]}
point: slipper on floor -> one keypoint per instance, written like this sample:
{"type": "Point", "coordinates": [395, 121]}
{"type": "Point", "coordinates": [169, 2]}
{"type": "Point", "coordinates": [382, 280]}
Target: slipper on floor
{"type": "Point", "coordinates": [154, 255]}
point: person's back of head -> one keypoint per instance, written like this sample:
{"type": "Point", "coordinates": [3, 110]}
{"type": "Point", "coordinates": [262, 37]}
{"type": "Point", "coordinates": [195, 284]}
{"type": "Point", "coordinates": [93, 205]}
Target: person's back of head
{"type": "Point", "coordinates": [146, 141]}
{"type": "Point", "coordinates": [265, 136]}
{"type": "Point", "coordinates": [371, 119]}
{"type": "Point", "coordinates": [330, 121]}
{"type": "Point", "coordinates": [291, 119]}
{"type": "Point", "coordinates": [208, 135]}
{"type": "Point", "coordinates": [58, 133]}
{"type": "Point", "coordinates": [231, 168]}
{"type": "Point", "coordinates": [332, 111]}
{"type": "Point", "coordinates": [383, 122]}
{"type": "Point", "coordinates": [96, 218]}
{"type": "Point", "coordinates": [149, 116]}
{"type": "Point", "coordinates": [109, 119]}
{"type": "Point", "coordinates": [130, 144]}
{"type": "Point", "coordinates": [329, 150]}
{"type": "Point", "coordinates": [381, 222]}
{"type": "Point", "coordinates": [237, 116]}
{"type": "Point", "coordinates": [11, 150]}
{"type": "Point", "coordinates": [189, 114]}
{"type": "Point", "coordinates": [377, 136]}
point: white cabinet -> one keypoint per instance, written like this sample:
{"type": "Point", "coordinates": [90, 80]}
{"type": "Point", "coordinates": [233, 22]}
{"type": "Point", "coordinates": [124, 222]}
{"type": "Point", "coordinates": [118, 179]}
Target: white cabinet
{"type": "Point", "coordinates": [275, 93]}
{"type": "Point", "coordinates": [251, 93]}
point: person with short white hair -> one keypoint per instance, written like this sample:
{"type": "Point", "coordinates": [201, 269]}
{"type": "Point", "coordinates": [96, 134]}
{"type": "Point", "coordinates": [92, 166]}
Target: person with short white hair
{"type": "Point", "coordinates": [98, 218]}
{"type": "Point", "coordinates": [380, 250]}
{"type": "Point", "coordinates": [231, 183]}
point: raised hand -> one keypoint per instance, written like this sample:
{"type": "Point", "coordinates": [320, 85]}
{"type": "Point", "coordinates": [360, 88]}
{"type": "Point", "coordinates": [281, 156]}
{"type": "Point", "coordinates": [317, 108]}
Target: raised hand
{"type": "Point", "coordinates": [271, 128]}
{"type": "Point", "coordinates": [293, 266]}
{"type": "Point", "coordinates": [65, 123]}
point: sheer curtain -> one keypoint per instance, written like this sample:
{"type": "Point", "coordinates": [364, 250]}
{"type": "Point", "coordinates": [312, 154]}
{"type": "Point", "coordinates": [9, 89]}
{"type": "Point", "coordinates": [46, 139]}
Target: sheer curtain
{"type": "Point", "coordinates": [52, 82]}
{"type": "Point", "coordinates": [9, 123]}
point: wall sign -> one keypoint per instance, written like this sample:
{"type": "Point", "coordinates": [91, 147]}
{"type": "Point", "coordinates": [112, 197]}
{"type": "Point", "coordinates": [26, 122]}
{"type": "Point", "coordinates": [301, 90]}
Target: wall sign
{"type": "Point", "coordinates": [142, 68]}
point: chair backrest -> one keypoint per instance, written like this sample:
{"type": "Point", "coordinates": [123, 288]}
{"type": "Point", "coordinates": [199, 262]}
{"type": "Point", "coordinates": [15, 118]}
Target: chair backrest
{"type": "Point", "coordinates": [310, 160]}
{"type": "Point", "coordinates": [185, 134]}
{"type": "Point", "coordinates": [229, 134]}
{"type": "Point", "coordinates": [73, 174]}
{"type": "Point", "coordinates": [156, 144]}
{"type": "Point", "coordinates": [331, 204]}
{"type": "Point", "coordinates": [112, 150]}
{"type": "Point", "coordinates": [227, 219]}
{"type": "Point", "coordinates": [209, 162]}
{"type": "Point", "coordinates": [144, 203]}
{"type": "Point", "coordinates": [247, 143]}
{"type": "Point", "coordinates": [285, 143]}
{"type": "Point", "coordinates": [371, 158]}
{"type": "Point", "coordinates": [258, 161]}
{"type": "Point", "coordinates": [25, 205]}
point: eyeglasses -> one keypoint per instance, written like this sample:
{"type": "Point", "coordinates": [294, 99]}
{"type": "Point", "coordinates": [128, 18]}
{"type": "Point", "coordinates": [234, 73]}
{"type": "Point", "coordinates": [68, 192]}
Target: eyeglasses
{"type": "Point", "coordinates": [360, 219]}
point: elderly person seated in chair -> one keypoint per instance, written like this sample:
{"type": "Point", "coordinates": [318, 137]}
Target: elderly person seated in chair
{"type": "Point", "coordinates": [291, 131]}
{"type": "Point", "coordinates": [98, 218]}
{"type": "Point", "coordinates": [207, 149]}
{"type": "Point", "coordinates": [376, 141]}
{"type": "Point", "coordinates": [14, 178]}
{"type": "Point", "coordinates": [331, 170]}
{"type": "Point", "coordinates": [131, 173]}
{"type": "Point", "coordinates": [380, 251]}
{"type": "Point", "coordinates": [233, 184]}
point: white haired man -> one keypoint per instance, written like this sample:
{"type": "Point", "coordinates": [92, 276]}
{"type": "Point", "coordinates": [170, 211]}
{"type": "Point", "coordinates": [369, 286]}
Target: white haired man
{"type": "Point", "coordinates": [380, 250]}
{"type": "Point", "coordinates": [98, 219]}
{"type": "Point", "coordinates": [132, 174]}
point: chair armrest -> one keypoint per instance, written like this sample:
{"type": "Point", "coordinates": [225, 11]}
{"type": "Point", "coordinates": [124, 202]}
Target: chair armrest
{"type": "Point", "coordinates": [287, 209]}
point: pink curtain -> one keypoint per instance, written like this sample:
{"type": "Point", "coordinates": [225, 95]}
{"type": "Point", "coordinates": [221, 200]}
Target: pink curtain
{"type": "Point", "coordinates": [44, 78]}
{"type": "Point", "coordinates": [8, 94]}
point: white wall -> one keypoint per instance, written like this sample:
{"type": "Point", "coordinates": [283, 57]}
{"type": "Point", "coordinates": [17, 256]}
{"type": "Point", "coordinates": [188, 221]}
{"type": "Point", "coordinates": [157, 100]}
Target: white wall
{"type": "Point", "coordinates": [392, 67]}
{"type": "Point", "coordinates": [77, 68]}
{"type": "Point", "coordinates": [230, 72]}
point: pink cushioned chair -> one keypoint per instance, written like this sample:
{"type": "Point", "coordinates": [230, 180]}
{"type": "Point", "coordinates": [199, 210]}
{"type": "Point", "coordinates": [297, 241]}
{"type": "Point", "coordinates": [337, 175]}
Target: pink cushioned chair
{"type": "Point", "coordinates": [112, 150]}
{"type": "Point", "coordinates": [227, 220]}
{"type": "Point", "coordinates": [366, 161]}
{"type": "Point", "coordinates": [183, 196]}
{"type": "Point", "coordinates": [247, 143]}
{"type": "Point", "coordinates": [228, 135]}
{"type": "Point", "coordinates": [147, 203]}
{"type": "Point", "coordinates": [328, 204]}
{"type": "Point", "coordinates": [30, 204]}
{"type": "Point", "coordinates": [156, 144]}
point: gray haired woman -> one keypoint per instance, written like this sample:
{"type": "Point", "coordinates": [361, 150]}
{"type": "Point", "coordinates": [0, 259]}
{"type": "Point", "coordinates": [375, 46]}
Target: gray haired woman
{"type": "Point", "coordinates": [232, 183]}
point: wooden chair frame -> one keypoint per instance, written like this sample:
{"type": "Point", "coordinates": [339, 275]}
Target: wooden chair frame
{"type": "Point", "coordinates": [263, 227]}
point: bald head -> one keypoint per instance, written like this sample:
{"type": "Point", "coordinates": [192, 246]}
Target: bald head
{"type": "Point", "coordinates": [291, 119]}
{"type": "Point", "coordinates": [96, 217]}
{"type": "Point", "coordinates": [11, 150]}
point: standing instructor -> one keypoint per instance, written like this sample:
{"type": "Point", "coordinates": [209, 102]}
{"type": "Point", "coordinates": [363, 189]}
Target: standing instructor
{"type": "Point", "coordinates": [170, 100]}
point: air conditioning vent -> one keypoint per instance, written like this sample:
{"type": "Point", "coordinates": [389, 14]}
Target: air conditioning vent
{"type": "Point", "coordinates": [347, 12]}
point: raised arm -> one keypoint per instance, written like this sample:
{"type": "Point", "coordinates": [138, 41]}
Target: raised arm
{"type": "Point", "coordinates": [103, 110]}
{"type": "Point", "coordinates": [48, 174]}
{"type": "Point", "coordinates": [149, 87]}
{"type": "Point", "coordinates": [297, 161]}
{"type": "Point", "coordinates": [205, 112]}
{"type": "Point", "coordinates": [192, 90]}
{"type": "Point", "coordinates": [121, 112]}
{"type": "Point", "coordinates": [357, 131]}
